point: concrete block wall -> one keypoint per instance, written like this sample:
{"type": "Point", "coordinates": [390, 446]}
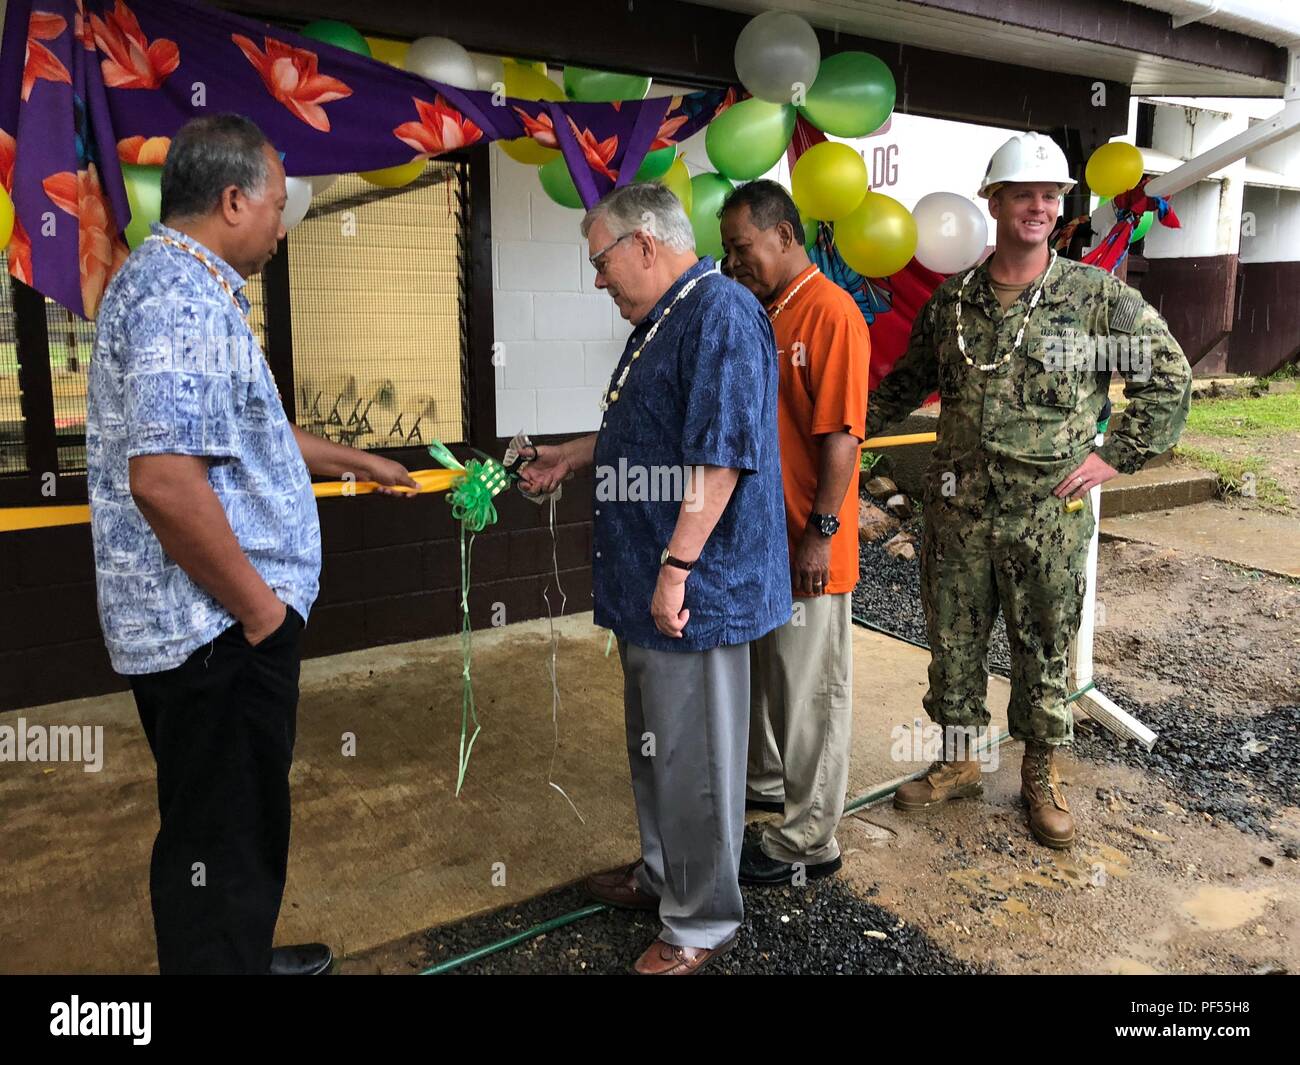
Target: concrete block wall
{"type": "Point", "coordinates": [558, 337]}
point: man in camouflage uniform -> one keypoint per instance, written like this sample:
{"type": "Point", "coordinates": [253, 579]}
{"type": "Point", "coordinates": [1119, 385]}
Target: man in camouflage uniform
{"type": "Point", "coordinates": [1016, 443]}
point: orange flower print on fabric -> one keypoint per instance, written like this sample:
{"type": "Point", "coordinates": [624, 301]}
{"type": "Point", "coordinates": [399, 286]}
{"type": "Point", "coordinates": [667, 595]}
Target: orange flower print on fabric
{"type": "Point", "coordinates": [41, 63]}
{"type": "Point", "coordinates": [143, 151]}
{"type": "Point", "coordinates": [131, 61]}
{"type": "Point", "coordinates": [20, 245]}
{"type": "Point", "coordinates": [664, 138]}
{"type": "Point", "coordinates": [100, 248]}
{"type": "Point", "coordinates": [441, 128]}
{"type": "Point", "coordinates": [539, 128]}
{"type": "Point", "coordinates": [291, 76]}
{"type": "Point", "coordinates": [598, 153]}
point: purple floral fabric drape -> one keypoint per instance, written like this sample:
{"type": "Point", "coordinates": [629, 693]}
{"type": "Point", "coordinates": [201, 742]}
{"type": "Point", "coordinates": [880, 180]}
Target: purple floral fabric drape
{"type": "Point", "coordinates": [86, 85]}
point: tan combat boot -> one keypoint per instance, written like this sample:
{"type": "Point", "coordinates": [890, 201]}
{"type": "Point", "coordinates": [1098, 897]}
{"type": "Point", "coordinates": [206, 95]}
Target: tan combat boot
{"type": "Point", "coordinates": [1040, 786]}
{"type": "Point", "coordinates": [944, 780]}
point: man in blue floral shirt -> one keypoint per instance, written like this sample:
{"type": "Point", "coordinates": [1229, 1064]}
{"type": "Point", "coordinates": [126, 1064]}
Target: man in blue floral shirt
{"type": "Point", "coordinates": [207, 547]}
{"type": "Point", "coordinates": [689, 558]}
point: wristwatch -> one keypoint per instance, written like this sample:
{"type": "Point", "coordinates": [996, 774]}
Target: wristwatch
{"type": "Point", "coordinates": [826, 524]}
{"type": "Point", "coordinates": [667, 560]}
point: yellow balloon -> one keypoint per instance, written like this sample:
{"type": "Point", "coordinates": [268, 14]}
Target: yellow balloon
{"type": "Point", "coordinates": [6, 218]}
{"type": "Point", "coordinates": [878, 238]}
{"type": "Point", "coordinates": [395, 177]}
{"type": "Point", "coordinates": [677, 180]}
{"type": "Point", "coordinates": [525, 83]}
{"type": "Point", "coordinates": [828, 181]}
{"type": "Point", "coordinates": [1113, 168]}
{"type": "Point", "coordinates": [537, 66]}
{"type": "Point", "coordinates": [391, 52]}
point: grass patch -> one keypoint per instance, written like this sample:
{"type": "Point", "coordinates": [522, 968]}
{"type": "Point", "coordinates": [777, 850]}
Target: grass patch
{"type": "Point", "coordinates": [869, 460]}
{"type": "Point", "coordinates": [1243, 477]}
{"type": "Point", "coordinates": [1254, 416]}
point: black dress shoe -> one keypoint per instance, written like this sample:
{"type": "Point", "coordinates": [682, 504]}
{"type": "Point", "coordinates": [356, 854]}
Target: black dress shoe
{"type": "Point", "coordinates": [767, 806]}
{"type": "Point", "coordinates": [305, 959]}
{"type": "Point", "coordinates": [758, 870]}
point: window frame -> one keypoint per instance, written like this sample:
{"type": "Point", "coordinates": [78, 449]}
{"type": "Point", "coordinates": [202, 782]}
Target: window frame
{"type": "Point", "coordinates": [478, 377]}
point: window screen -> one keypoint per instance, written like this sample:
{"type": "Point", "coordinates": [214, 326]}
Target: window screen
{"type": "Point", "coordinates": [13, 437]}
{"type": "Point", "coordinates": [377, 289]}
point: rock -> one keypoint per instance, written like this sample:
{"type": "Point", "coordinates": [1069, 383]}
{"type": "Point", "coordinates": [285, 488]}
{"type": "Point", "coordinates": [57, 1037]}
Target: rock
{"type": "Point", "coordinates": [899, 506]}
{"type": "Point", "coordinates": [901, 546]}
{"type": "Point", "coordinates": [873, 523]}
{"type": "Point", "coordinates": [881, 487]}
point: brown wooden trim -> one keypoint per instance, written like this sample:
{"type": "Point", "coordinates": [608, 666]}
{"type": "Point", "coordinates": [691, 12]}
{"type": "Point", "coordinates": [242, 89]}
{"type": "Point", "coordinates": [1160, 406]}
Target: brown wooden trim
{"type": "Point", "coordinates": [279, 327]}
{"type": "Point", "coordinates": [691, 45]}
{"type": "Point", "coordinates": [37, 399]}
{"type": "Point", "coordinates": [1132, 27]}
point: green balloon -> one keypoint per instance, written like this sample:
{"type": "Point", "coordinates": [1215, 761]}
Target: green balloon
{"type": "Point", "coordinates": [708, 191]}
{"type": "Point", "coordinates": [603, 86]}
{"type": "Point", "coordinates": [339, 34]}
{"type": "Point", "coordinates": [852, 96]}
{"type": "Point", "coordinates": [656, 164]}
{"type": "Point", "coordinates": [144, 194]}
{"type": "Point", "coordinates": [558, 183]}
{"type": "Point", "coordinates": [1143, 227]}
{"type": "Point", "coordinates": [749, 138]}
{"type": "Point", "coordinates": [809, 231]}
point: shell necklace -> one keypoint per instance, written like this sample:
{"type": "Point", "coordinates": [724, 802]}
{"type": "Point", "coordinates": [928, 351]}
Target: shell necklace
{"type": "Point", "coordinates": [775, 311]}
{"type": "Point", "coordinates": [1020, 335]}
{"type": "Point", "coordinates": [611, 394]}
{"type": "Point", "coordinates": [172, 242]}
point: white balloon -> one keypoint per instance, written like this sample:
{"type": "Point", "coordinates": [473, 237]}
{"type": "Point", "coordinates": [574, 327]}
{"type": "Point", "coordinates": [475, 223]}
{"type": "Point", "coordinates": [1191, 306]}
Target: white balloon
{"type": "Point", "coordinates": [440, 59]}
{"type": "Point", "coordinates": [951, 232]}
{"type": "Point", "coordinates": [776, 53]}
{"type": "Point", "coordinates": [320, 182]}
{"type": "Point", "coordinates": [489, 70]}
{"type": "Point", "coordinates": [297, 202]}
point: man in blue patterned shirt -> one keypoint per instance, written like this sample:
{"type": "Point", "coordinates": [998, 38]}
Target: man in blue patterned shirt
{"type": "Point", "coordinates": [207, 547]}
{"type": "Point", "coordinates": [690, 560]}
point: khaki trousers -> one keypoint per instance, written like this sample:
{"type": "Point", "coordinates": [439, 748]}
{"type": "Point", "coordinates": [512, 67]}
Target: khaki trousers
{"type": "Point", "coordinates": [800, 718]}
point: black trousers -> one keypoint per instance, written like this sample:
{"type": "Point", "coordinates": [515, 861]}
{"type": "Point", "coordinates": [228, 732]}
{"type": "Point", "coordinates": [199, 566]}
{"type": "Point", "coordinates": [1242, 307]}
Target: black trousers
{"type": "Point", "coordinates": [221, 727]}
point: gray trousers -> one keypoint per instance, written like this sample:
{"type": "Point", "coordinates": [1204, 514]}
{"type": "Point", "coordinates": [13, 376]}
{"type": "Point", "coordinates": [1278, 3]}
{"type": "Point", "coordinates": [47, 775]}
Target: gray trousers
{"type": "Point", "coordinates": [687, 738]}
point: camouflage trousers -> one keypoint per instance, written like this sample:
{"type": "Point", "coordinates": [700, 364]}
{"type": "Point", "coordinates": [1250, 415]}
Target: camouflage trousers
{"type": "Point", "coordinates": [1029, 562]}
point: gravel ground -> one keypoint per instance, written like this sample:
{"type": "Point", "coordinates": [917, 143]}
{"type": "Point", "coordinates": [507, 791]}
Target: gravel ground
{"type": "Point", "coordinates": [1211, 745]}
{"type": "Point", "coordinates": [1235, 768]}
{"type": "Point", "coordinates": [820, 929]}
{"type": "Point", "coordinates": [889, 595]}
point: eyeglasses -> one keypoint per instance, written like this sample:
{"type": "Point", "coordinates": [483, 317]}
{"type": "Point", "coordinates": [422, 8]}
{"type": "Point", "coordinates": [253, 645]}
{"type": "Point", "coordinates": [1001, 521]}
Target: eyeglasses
{"type": "Point", "coordinates": [597, 261]}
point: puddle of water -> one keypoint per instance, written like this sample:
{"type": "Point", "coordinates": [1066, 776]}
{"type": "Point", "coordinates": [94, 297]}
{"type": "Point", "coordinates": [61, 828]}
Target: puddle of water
{"type": "Point", "coordinates": [1129, 967]}
{"type": "Point", "coordinates": [1216, 909]}
{"type": "Point", "coordinates": [1151, 833]}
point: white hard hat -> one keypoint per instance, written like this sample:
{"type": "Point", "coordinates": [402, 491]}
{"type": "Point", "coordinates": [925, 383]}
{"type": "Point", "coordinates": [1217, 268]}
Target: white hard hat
{"type": "Point", "coordinates": [1027, 157]}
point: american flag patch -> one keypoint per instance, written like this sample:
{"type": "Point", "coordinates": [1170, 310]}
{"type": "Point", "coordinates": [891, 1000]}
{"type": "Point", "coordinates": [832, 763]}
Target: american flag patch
{"type": "Point", "coordinates": [1124, 314]}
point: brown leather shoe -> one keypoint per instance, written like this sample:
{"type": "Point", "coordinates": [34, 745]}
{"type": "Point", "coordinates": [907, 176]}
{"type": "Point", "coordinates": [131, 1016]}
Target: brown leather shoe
{"type": "Point", "coordinates": [619, 887]}
{"type": "Point", "coordinates": [666, 959]}
{"type": "Point", "coordinates": [944, 780]}
{"type": "Point", "coordinates": [1040, 786]}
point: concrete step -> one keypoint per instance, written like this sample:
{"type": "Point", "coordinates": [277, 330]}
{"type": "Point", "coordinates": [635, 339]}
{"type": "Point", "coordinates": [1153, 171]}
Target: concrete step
{"type": "Point", "coordinates": [1156, 488]}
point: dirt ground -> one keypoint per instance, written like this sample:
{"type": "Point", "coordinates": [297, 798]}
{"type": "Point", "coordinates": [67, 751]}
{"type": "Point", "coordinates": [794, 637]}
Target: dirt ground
{"type": "Point", "coordinates": [1187, 856]}
{"type": "Point", "coordinates": [1166, 877]}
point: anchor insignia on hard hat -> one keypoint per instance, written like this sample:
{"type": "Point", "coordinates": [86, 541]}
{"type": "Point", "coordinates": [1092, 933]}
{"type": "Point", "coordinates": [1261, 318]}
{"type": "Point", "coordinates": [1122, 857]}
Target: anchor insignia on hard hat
{"type": "Point", "coordinates": [1041, 153]}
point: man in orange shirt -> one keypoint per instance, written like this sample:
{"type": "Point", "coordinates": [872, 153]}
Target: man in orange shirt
{"type": "Point", "coordinates": [802, 673]}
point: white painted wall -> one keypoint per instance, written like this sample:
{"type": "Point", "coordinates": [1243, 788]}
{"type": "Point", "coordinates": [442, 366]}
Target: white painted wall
{"type": "Point", "coordinates": [1270, 225]}
{"type": "Point", "coordinates": [559, 338]}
